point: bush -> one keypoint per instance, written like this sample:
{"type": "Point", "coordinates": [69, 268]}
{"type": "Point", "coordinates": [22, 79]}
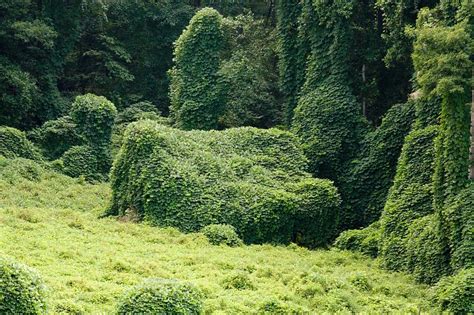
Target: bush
{"type": "Point", "coordinates": [456, 293]}
{"type": "Point", "coordinates": [249, 178]}
{"type": "Point", "coordinates": [13, 144]}
{"type": "Point", "coordinates": [94, 116]}
{"type": "Point", "coordinates": [56, 136]}
{"type": "Point", "coordinates": [410, 197]}
{"type": "Point", "coordinates": [161, 296]}
{"type": "Point", "coordinates": [459, 226]}
{"type": "Point", "coordinates": [21, 289]}
{"type": "Point", "coordinates": [218, 234]}
{"type": "Point", "coordinates": [425, 258]}
{"type": "Point", "coordinates": [81, 161]}
{"type": "Point", "coordinates": [366, 241]}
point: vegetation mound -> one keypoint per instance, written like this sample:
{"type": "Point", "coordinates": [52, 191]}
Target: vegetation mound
{"type": "Point", "coordinates": [252, 179]}
{"type": "Point", "coordinates": [13, 144]}
{"type": "Point", "coordinates": [218, 234]}
{"type": "Point", "coordinates": [21, 289]}
{"type": "Point", "coordinates": [161, 296]}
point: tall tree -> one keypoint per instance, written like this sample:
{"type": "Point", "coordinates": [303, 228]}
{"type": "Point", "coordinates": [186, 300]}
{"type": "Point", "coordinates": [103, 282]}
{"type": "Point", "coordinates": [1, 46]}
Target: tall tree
{"type": "Point", "coordinates": [196, 98]}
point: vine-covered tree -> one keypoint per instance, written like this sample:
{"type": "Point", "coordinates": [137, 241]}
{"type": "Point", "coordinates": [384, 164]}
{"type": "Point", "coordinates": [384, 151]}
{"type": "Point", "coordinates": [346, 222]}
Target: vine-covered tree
{"type": "Point", "coordinates": [196, 98]}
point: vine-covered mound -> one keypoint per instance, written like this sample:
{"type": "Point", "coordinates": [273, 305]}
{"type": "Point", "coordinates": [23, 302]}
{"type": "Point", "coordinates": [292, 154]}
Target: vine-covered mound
{"type": "Point", "coordinates": [252, 179]}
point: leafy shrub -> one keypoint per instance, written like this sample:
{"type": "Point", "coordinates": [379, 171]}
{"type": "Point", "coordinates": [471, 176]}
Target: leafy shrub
{"type": "Point", "coordinates": [196, 97]}
{"type": "Point", "coordinates": [13, 144]}
{"type": "Point", "coordinates": [12, 169]}
{"type": "Point", "coordinates": [218, 234]}
{"type": "Point", "coordinates": [238, 280]}
{"type": "Point", "coordinates": [425, 258]}
{"type": "Point", "coordinates": [80, 160]}
{"type": "Point", "coordinates": [369, 176]}
{"type": "Point", "coordinates": [94, 116]}
{"type": "Point", "coordinates": [21, 289]}
{"type": "Point", "coordinates": [456, 293]}
{"type": "Point", "coordinates": [366, 241]}
{"type": "Point", "coordinates": [410, 197]}
{"type": "Point", "coordinates": [249, 178]}
{"type": "Point", "coordinates": [459, 226]}
{"type": "Point", "coordinates": [56, 136]}
{"type": "Point", "coordinates": [161, 296]}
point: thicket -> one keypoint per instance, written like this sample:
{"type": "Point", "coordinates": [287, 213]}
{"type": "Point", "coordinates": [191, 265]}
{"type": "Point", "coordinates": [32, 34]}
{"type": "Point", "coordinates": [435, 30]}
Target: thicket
{"type": "Point", "coordinates": [161, 296]}
{"type": "Point", "coordinates": [369, 176]}
{"type": "Point", "coordinates": [196, 98]}
{"type": "Point", "coordinates": [366, 240]}
{"type": "Point", "coordinates": [410, 197]}
{"type": "Point", "coordinates": [21, 289]}
{"type": "Point", "coordinates": [252, 179]}
{"type": "Point", "coordinates": [13, 144]}
{"type": "Point", "coordinates": [456, 293]}
{"type": "Point", "coordinates": [56, 136]}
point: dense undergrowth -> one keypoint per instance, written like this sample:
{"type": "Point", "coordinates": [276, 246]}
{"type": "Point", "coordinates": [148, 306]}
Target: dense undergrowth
{"type": "Point", "coordinates": [49, 222]}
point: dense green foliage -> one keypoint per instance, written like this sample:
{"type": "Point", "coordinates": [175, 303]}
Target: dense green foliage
{"type": "Point", "coordinates": [196, 99]}
{"type": "Point", "coordinates": [410, 197]}
{"type": "Point", "coordinates": [252, 179]}
{"type": "Point", "coordinates": [13, 144]}
{"type": "Point", "coordinates": [327, 118]}
{"type": "Point", "coordinates": [366, 241]}
{"type": "Point", "coordinates": [218, 234]}
{"type": "Point", "coordinates": [56, 136]}
{"type": "Point", "coordinates": [370, 174]}
{"type": "Point", "coordinates": [161, 296]}
{"type": "Point", "coordinates": [80, 160]}
{"type": "Point", "coordinates": [456, 293]}
{"type": "Point", "coordinates": [21, 289]}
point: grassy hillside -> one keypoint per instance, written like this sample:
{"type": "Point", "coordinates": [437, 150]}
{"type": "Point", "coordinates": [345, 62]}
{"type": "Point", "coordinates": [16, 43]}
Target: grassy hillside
{"type": "Point", "coordinates": [49, 222]}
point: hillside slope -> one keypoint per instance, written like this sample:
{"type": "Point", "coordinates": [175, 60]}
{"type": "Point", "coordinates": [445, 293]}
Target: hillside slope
{"type": "Point", "coordinates": [49, 222]}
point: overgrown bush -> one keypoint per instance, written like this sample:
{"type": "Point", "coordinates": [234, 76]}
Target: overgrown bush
{"type": "Point", "coordinates": [21, 289]}
{"type": "Point", "coordinates": [81, 160]}
{"type": "Point", "coordinates": [13, 144]}
{"type": "Point", "coordinates": [56, 136]}
{"type": "Point", "coordinates": [424, 253]}
{"type": "Point", "coordinates": [456, 293]}
{"type": "Point", "coordinates": [94, 116]}
{"type": "Point", "coordinates": [218, 234]}
{"type": "Point", "coordinates": [161, 296]}
{"type": "Point", "coordinates": [410, 197]}
{"type": "Point", "coordinates": [249, 178]}
{"type": "Point", "coordinates": [459, 225]}
{"type": "Point", "coordinates": [366, 241]}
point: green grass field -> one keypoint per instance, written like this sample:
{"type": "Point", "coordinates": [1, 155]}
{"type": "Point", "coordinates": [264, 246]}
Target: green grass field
{"type": "Point", "coordinates": [50, 222]}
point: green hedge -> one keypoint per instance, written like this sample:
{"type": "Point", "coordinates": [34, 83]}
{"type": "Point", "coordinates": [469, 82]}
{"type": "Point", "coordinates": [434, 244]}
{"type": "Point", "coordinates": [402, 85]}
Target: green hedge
{"type": "Point", "coordinates": [161, 296]}
{"type": "Point", "coordinates": [410, 197]}
{"type": "Point", "coordinates": [252, 179]}
{"type": "Point", "coordinates": [14, 144]}
{"type": "Point", "coordinates": [21, 289]}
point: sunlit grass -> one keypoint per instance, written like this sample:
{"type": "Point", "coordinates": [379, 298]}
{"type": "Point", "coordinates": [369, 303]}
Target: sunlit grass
{"type": "Point", "coordinates": [88, 262]}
